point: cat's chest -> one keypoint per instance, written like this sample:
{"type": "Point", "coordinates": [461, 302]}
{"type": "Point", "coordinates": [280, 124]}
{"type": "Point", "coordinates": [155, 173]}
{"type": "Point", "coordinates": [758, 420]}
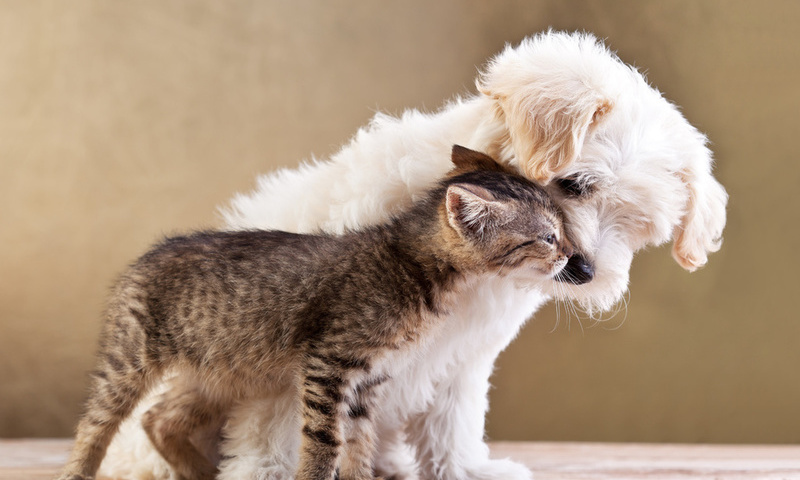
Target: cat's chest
{"type": "Point", "coordinates": [421, 331]}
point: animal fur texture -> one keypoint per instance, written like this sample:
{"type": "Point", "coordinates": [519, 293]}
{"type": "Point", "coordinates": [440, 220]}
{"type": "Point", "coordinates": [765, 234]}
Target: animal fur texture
{"type": "Point", "coordinates": [621, 161]}
{"type": "Point", "coordinates": [250, 312]}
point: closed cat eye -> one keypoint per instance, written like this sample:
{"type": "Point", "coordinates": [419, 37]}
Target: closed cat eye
{"type": "Point", "coordinates": [525, 244]}
{"type": "Point", "coordinates": [521, 245]}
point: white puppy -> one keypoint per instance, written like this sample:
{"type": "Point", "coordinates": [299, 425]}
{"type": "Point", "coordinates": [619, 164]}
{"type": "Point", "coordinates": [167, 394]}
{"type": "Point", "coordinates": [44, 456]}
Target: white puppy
{"type": "Point", "coordinates": [627, 168]}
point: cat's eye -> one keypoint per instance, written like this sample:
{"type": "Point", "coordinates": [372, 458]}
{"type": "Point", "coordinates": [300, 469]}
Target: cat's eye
{"type": "Point", "coordinates": [571, 186]}
{"type": "Point", "coordinates": [550, 239]}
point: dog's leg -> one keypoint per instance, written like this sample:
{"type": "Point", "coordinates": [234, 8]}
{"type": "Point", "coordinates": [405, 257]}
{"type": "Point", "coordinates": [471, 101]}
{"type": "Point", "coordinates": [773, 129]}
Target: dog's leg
{"type": "Point", "coordinates": [262, 438]}
{"type": "Point", "coordinates": [449, 436]}
{"type": "Point", "coordinates": [394, 458]}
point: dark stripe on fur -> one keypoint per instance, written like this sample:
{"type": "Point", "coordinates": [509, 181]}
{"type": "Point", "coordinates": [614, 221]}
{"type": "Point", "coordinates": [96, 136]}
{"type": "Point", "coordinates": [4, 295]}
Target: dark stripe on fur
{"type": "Point", "coordinates": [351, 363]}
{"type": "Point", "coordinates": [329, 382]}
{"type": "Point", "coordinates": [324, 437]}
{"type": "Point", "coordinates": [115, 363]}
{"type": "Point", "coordinates": [330, 386]}
{"type": "Point", "coordinates": [369, 384]}
{"type": "Point", "coordinates": [358, 411]}
{"type": "Point", "coordinates": [325, 409]}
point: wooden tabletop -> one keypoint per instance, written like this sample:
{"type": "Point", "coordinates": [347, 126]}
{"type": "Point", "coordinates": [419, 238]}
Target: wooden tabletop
{"type": "Point", "coordinates": [41, 459]}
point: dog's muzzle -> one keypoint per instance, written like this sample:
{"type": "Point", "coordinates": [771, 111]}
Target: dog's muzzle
{"type": "Point", "coordinates": [577, 271]}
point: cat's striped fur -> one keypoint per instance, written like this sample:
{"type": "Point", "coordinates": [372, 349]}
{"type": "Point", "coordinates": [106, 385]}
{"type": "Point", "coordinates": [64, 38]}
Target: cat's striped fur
{"type": "Point", "coordinates": [244, 312]}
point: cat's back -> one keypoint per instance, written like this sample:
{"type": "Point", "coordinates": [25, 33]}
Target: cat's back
{"type": "Point", "coordinates": [231, 249]}
{"type": "Point", "coordinates": [214, 264]}
{"type": "Point", "coordinates": [222, 244]}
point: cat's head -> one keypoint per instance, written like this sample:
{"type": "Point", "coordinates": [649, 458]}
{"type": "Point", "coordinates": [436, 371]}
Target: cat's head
{"type": "Point", "coordinates": [501, 221]}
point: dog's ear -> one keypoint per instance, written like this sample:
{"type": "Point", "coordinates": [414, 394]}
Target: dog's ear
{"type": "Point", "coordinates": [466, 160]}
{"type": "Point", "coordinates": [700, 230]}
{"type": "Point", "coordinates": [547, 133]}
{"type": "Point", "coordinates": [548, 105]}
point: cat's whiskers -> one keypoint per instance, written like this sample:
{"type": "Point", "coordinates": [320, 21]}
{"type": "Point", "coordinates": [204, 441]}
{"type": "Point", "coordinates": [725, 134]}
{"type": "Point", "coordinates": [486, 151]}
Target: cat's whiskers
{"type": "Point", "coordinates": [561, 297]}
{"type": "Point", "coordinates": [564, 293]}
{"type": "Point", "coordinates": [620, 306]}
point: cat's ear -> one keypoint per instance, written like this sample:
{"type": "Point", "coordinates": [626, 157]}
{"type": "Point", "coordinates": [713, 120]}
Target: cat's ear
{"type": "Point", "coordinates": [472, 209]}
{"type": "Point", "coordinates": [466, 160]}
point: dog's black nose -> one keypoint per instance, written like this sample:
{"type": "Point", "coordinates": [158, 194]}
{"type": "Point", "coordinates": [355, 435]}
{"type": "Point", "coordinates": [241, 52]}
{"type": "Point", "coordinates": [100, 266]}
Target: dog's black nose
{"type": "Point", "coordinates": [578, 270]}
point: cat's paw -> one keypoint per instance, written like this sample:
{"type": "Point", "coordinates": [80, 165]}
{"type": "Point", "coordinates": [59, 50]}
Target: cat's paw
{"type": "Point", "coordinates": [502, 469]}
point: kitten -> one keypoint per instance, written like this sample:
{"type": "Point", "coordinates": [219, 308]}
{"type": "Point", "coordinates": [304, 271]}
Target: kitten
{"type": "Point", "coordinates": [249, 311]}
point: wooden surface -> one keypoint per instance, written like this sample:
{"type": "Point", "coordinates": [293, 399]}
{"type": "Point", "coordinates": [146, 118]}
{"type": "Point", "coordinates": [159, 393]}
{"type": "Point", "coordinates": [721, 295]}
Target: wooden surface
{"type": "Point", "coordinates": [41, 459]}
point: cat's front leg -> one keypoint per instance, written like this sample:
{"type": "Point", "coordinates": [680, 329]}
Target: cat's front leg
{"type": "Point", "coordinates": [449, 437]}
{"type": "Point", "coordinates": [321, 396]}
{"type": "Point", "coordinates": [361, 436]}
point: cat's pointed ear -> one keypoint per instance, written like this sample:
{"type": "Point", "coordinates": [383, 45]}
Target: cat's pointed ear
{"type": "Point", "coordinates": [466, 160]}
{"type": "Point", "coordinates": [472, 209]}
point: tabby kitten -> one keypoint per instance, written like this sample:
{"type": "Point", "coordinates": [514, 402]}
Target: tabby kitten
{"type": "Point", "coordinates": [250, 311]}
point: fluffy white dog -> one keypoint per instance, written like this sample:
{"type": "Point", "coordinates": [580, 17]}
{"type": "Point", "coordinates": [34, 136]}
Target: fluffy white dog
{"type": "Point", "coordinates": [628, 170]}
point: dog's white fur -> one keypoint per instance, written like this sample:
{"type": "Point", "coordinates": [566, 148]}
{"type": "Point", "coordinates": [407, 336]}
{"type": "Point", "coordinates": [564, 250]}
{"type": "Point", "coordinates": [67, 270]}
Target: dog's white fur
{"type": "Point", "coordinates": [558, 105]}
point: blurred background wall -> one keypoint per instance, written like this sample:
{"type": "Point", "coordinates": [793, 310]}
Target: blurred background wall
{"type": "Point", "coordinates": [124, 121]}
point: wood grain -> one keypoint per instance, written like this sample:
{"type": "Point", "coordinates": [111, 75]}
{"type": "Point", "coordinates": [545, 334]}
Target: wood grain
{"type": "Point", "coordinates": [34, 459]}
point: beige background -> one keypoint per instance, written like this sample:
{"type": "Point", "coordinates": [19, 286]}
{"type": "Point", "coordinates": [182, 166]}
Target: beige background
{"type": "Point", "coordinates": [122, 121]}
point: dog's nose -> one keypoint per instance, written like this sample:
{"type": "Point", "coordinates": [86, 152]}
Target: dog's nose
{"type": "Point", "coordinates": [577, 271]}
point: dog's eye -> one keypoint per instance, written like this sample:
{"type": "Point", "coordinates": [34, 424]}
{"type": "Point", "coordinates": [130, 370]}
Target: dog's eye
{"type": "Point", "coordinates": [571, 186]}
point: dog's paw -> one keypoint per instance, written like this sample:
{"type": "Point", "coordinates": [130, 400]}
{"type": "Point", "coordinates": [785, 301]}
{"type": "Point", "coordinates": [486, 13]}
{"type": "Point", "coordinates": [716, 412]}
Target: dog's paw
{"type": "Point", "coordinates": [503, 469]}
{"type": "Point", "coordinates": [395, 473]}
{"type": "Point", "coordinates": [399, 476]}
{"type": "Point", "coordinates": [274, 473]}
{"type": "Point", "coordinates": [250, 469]}
{"type": "Point", "coordinates": [397, 464]}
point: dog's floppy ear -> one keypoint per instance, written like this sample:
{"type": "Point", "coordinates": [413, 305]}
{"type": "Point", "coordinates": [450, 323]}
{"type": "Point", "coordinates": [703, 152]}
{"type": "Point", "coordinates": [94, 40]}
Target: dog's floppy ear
{"type": "Point", "coordinates": [547, 113]}
{"type": "Point", "coordinates": [547, 134]}
{"type": "Point", "coordinates": [700, 230]}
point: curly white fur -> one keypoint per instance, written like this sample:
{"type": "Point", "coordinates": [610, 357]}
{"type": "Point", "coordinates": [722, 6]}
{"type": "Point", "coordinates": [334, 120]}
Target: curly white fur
{"type": "Point", "coordinates": [556, 106]}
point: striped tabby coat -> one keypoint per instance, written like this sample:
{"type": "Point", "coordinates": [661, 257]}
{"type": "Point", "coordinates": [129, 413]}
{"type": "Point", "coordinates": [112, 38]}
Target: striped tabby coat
{"type": "Point", "coordinates": [241, 313]}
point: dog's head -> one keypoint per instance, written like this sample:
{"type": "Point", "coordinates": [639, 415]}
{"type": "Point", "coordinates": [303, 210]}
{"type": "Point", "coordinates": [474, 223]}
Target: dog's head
{"type": "Point", "coordinates": [624, 164]}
